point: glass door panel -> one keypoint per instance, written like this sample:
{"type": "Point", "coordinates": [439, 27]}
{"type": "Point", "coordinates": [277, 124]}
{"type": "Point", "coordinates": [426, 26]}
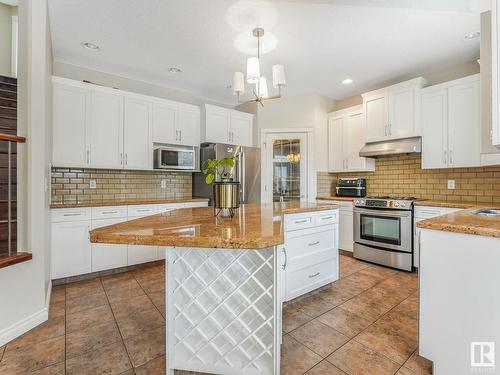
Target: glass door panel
{"type": "Point", "coordinates": [381, 229]}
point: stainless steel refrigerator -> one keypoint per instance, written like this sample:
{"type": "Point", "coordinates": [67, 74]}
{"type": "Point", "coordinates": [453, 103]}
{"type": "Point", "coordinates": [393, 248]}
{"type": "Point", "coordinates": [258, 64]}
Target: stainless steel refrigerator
{"type": "Point", "coordinates": [246, 170]}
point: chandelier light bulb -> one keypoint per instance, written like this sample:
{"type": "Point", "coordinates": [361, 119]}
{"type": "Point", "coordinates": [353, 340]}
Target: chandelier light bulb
{"type": "Point", "coordinates": [253, 70]}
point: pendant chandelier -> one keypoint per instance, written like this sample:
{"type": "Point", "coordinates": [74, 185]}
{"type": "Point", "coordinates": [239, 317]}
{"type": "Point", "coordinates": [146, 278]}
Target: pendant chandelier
{"type": "Point", "coordinates": [254, 76]}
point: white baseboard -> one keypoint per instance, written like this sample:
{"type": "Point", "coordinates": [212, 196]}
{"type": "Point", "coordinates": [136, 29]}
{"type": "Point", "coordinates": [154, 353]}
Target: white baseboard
{"type": "Point", "coordinates": [23, 326]}
{"type": "Point", "coordinates": [48, 295]}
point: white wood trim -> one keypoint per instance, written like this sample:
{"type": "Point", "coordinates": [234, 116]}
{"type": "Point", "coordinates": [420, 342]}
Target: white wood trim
{"type": "Point", "coordinates": [14, 48]}
{"type": "Point", "coordinates": [23, 326]}
{"type": "Point", "coordinates": [354, 110]}
{"type": "Point", "coordinates": [287, 130]}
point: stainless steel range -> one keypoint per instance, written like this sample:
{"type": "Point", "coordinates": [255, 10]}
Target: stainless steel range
{"type": "Point", "coordinates": [383, 231]}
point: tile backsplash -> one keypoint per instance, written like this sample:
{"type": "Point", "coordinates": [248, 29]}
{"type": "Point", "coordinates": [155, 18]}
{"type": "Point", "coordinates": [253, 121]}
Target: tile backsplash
{"type": "Point", "coordinates": [403, 175]}
{"type": "Point", "coordinates": [73, 185]}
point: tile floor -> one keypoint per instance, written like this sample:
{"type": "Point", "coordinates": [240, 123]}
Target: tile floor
{"type": "Point", "coordinates": [365, 323]}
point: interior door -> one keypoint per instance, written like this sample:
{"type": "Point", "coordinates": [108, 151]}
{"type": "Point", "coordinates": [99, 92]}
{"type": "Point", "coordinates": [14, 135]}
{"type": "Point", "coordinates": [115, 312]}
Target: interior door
{"type": "Point", "coordinates": [285, 176]}
{"type": "Point", "coordinates": [336, 159]}
{"type": "Point", "coordinates": [354, 141]}
{"type": "Point", "coordinates": [401, 113]}
{"type": "Point", "coordinates": [70, 117]}
{"type": "Point", "coordinates": [106, 130]}
{"type": "Point", "coordinates": [375, 108]}
{"type": "Point", "coordinates": [434, 117]}
{"type": "Point", "coordinates": [164, 116]}
{"type": "Point", "coordinates": [137, 145]}
{"type": "Point", "coordinates": [464, 129]}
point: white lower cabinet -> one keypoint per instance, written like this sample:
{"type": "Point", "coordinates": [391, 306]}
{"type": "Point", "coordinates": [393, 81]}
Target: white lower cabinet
{"type": "Point", "coordinates": [107, 256]}
{"type": "Point", "coordinates": [310, 254]}
{"type": "Point", "coordinates": [72, 252]}
{"type": "Point", "coordinates": [423, 213]}
{"type": "Point", "coordinates": [346, 225]}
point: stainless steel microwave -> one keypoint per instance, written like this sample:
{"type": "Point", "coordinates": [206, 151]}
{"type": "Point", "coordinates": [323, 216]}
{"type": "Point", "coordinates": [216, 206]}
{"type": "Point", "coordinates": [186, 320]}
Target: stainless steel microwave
{"type": "Point", "coordinates": [175, 157]}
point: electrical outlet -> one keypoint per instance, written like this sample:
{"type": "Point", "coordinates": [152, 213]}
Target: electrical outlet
{"type": "Point", "coordinates": [451, 184]}
{"type": "Point", "coordinates": [163, 184]}
{"type": "Point", "coordinates": [93, 184]}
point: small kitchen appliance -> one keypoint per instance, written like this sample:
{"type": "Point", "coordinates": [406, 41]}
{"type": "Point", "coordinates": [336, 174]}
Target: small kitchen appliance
{"type": "Point", "coordinates": [351, 187]}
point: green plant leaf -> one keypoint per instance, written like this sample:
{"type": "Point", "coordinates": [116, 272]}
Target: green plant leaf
{"type": "Point", "coordinates": [209, 178]}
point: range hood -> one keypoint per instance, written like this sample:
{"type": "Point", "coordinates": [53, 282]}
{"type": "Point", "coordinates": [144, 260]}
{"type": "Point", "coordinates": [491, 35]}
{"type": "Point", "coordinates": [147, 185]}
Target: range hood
{"type": "Point", "coordinates": [394, 147]}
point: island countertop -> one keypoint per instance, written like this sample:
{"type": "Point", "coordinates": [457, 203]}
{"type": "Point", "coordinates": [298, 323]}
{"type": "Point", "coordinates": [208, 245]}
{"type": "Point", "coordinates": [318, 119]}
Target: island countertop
{"type": "Point", "coordinates": [254, 226]}
{"type": "Point", "coordinates": [464, 221]}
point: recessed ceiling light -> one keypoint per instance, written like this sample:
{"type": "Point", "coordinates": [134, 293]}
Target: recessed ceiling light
{"type": "Point", "coordinates": [174, 70]}
{"type": "Point", "coordinates": [91, 46]}
{"type": "Point", "coordinates": [347, 81]}
{"type": "Point", "coordinates": [472, 35]}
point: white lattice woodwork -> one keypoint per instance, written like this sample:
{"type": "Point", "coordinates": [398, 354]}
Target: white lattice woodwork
{"type": "Point", "coordinates": [223, 311]}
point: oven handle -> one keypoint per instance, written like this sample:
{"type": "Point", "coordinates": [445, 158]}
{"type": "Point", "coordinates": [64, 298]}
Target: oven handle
{"type": "Point", "coordinates": [389, 213]}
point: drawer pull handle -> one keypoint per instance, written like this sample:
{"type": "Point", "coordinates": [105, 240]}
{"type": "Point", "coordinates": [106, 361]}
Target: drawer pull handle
{"type": "Point", "coordinates": [72, 215]}
{"type": "Point", "coordinates": [314, 243]}
{"type": "Point", "coordinates": [109, 212]}
{"type": "Point", "coordinates": [314, 275]}
{"type": "Point", "coordinates": [327, 218]}
{"type": "Point", "coordinates": [144, 210]}
{"type": "Point", "coordinates": [301, 221]}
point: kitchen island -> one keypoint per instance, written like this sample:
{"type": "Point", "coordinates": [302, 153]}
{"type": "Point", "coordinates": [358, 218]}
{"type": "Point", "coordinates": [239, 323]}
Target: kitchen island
{"type": "Point", "coordinates": [224, 279]}
{"type": "Point", "coordinates": [459, 299]}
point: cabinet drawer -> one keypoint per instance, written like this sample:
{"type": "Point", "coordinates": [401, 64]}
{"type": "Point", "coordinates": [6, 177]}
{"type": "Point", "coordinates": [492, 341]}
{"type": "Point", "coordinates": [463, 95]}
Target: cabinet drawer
{"type": "Point", "coordinates": [303, 280]}
{"type": "Point", "coordinates": [141, 210]}
{"type": "Point", "coordinates": [59, 215]}
{"type": "Point", "coordinates": [303, 247]}
{"type": "Point", "coordinates": [195, 204]}
{"type": "Point", "coordinates": [161, 208]}
{"type": "Point", "coordinates": [299, 221]}
{"type": "Point", "coordinates": [429, 212]}
{"type": "Point", "coordinates": [326, 217]}
{"type": "Point", "coordinates": [112, 212]}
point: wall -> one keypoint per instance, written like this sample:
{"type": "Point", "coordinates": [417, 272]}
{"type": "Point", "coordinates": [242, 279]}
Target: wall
{"type": "Point", "coordinates": [122, 83]}
{"type": "Point", "coordinates": [447, 74]}
{"type": "Point", "coordinates": [70, 185]}
{"type": "Point", "coordinates": [23, 286]}
{"type": "Point", "coordinates": [6, 13]}
{"type": "Point", "coordinates": [403, 176]}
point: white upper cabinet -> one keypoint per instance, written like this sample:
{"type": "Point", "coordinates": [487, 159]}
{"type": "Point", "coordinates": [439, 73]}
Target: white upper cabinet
{"type": "Point", "coordinates": [176, 123]}
{"type": "Point", "coordinates": [224, 125]}
{"type": "Point", "coordinates": [495, 71]}
{"type": "Point", "coordinates": [137, 133]}
{"type": "Point", "coordinates": [106, 130]}
{"type": "Point", "coordinates": [451, 124]}
{"type": "Point", "coordinates": [345, 140]}
{"type": "Point", "coordinates": [392, 112]}
{"type": "Point", "coordinates": [70, 144]}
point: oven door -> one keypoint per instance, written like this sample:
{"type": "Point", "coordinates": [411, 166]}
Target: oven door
{"type": "Point", "coordinates": [176, 158]}
{"type": "Point", "coordinates": [390, 229]}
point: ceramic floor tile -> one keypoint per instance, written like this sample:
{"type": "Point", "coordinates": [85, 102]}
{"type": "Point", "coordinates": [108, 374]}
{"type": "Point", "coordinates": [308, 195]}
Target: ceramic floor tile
{"type": "Point", "coordinates": [364, 280]}
{"type": "Point", "coordinates": [296, 359]}
{"type": "Point", "coordinates": [293, 318]}
{"type": "Point", "coordinates": [110, 360]}
{"type": "Point", "coordinates": [367, 306]}
{"type": "Point", "coordinates": [158, 297]}
{"type": "Point", "coordinates": [19, 360]}
{"type": "Point", "coordinates": [355, 359]}
{"type": "Point", "coordinates": [405, 371]}
{"type": "Point", "coordinates": [57, 369]}
{"type": "Point", "coordinates": [395, 335]}
{"type": "Point", "coordinates": [58, 294]}
{"type": "Point", "coordinates": [154, 367]}
{"type": "Point", "coordinates": [146, 346]}
{"type": "Point", "coordinates": [86, 302]}
{"type": "Point", "coordinates": [153, 286]}
{"type": "Point", "coordinates": [83, 288]}
{"type": "Point", "coordinates": [344, 321]}
{"type": "Point", "coordinates": [132, 324]}
{"type": "Point", "coordinates": [325, 368]}
{"type": "Point", "coordinates": [132, 305]}
{"type": "Point", "coordinates": [313, 305]}
{"type": "Point", "coordinates": [88, 318]}
{"type": "Point", "coordinates": [91, 338]}
{"type": "Point", "coordinates": [409, 306]}
{"type": "Point", "coordinates": [124, 291]}
{"type": "Point", "coordinates": [57, 309]}
{"type": "Point", "coordinates": [418, 364]}
{"type": "Point", "coordinates": [48, 330]}
{"type": "Point", "coordinates": [319, 337]}
{"type": "Point", "coordinates": [2, 349]}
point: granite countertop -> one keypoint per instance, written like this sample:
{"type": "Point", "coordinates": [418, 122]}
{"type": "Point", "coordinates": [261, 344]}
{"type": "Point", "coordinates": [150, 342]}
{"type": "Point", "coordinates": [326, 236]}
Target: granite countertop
{"type": "Point", "coordinates": [335, 198]}
{"type": "Point", "coordinates": [447, 204]}
{"type": "Point", "coordinates": [111, 202]}
{"type": "Point", "coordinates": [254, 226]}
{"type": "Point", "coordinates": [466, 222]}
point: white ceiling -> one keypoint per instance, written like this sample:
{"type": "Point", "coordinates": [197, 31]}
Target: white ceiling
{"type": "Point", "coordinates": [320, 42]}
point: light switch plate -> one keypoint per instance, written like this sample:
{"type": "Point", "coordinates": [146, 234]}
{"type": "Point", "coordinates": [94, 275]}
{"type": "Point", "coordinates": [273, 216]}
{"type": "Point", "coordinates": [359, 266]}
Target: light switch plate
{"type": "Point", "coordinates": [93, 184]}
{"type": "Point", "coordinates": [451, 184]}
{"type": "Point", "coordinates": [163, 184]}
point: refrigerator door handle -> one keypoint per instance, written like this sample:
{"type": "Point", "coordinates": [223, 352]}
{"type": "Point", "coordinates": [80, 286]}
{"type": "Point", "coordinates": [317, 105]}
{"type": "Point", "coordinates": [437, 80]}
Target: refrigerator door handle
{"type": "Point", "coordinates": [241, 167]}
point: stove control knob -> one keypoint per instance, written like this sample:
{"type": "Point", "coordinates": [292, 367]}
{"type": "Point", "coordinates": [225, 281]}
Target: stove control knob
{"type": "Point", "coordinates": [396, 204]}
{"type": "Point", "coordinates": [403, 204]}
{"type": "Point", "coordinates": [356, 201]}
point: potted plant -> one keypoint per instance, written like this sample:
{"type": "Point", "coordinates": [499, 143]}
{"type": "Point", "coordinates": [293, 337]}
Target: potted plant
{"type": "Point", "coordinates": [220, 174]}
